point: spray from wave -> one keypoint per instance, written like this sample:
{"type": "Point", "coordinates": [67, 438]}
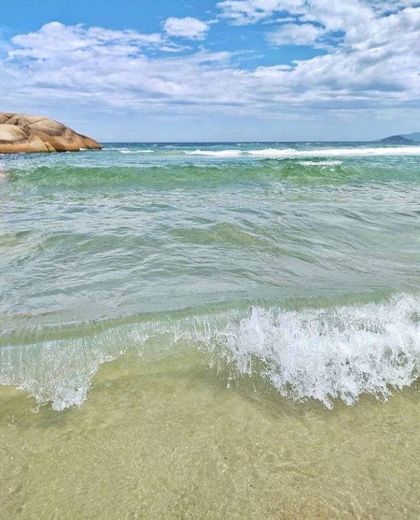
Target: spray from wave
{"type": "Point", "coordinates": [328, 354]}
{"type": "Point", "coordinates": [322, 354]}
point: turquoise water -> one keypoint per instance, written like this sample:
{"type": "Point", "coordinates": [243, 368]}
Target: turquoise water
{"type": "Point", "coordinates": [296, 264]}
{"type": "Point", "coordinates": [210, 331]}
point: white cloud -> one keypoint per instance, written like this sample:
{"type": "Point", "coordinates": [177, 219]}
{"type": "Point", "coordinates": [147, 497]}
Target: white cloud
{"type": "Point", "coordinates": [375, 67]}
{"type": "Point", "coordinates": [251, 11]}
{"type": "Point", "coordinates": [188, 27]}
{"type": "Point", "coordinates": [295, 34]}
{"type": "Point", "coordinates": [55, 38]}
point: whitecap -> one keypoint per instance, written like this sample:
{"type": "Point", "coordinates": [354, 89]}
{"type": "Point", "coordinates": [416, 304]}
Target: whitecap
{"type": "Point", "coordinates": [291, 153]}
{"type": "Point", "coordinates": [327, 354]}
{"type": "Point", "coordinates": [323, 354]}
{"type": "Point", "coordinates": [287, 153]}
{"type": "Point", "coordinates": [320, 163]}
{"type": "Point", "coordinates": [216, 153]}
{"type": "Point", "coordinates": [135, 151]}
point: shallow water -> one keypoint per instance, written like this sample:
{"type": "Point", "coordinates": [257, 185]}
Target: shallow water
{"type": "Point", "coordinates": [212, 331]}
{"type": "Point", "coordinates": [169, 440]}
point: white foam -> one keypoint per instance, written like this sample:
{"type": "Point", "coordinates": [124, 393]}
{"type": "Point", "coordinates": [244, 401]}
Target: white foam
{"type": "Point", "coordinates": [135, 151]}
{"type": "Point", "coordinates": [329, 354]}
{"type": "Point", "coordinates": [338, 152]}
{"type": "Point", "coordinates": [320, 163]}
{"type": "Point", "coordinates": [125, 150]}
{"type": "Point", "coordinates": [216, 153]}
{"type": "Point", "coordinates": [324, 354]}
{"type": "Point", "coordinates": [291, 153]}
{"type": "Point", "coordinates": [56, 372]}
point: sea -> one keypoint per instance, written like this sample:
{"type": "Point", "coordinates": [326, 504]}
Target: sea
{"type": "Point", "coordinates": [211, 330]}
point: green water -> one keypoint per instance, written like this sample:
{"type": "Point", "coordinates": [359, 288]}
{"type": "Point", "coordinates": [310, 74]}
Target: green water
{"type": "Point", "coordinates": [210, 331]}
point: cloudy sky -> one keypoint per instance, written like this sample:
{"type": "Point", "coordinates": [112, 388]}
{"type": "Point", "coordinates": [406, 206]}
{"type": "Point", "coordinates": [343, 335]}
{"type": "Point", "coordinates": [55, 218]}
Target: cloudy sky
{"type": "Point", "coordinates": [191, 70]}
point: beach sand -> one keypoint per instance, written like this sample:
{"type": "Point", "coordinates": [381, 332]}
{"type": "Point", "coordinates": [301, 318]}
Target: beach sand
{"type": "Point", "coordinates": [167, 439]}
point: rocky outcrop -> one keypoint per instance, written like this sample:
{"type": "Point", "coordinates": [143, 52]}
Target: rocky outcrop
{"type": "Point", "coordinates": [25, 133]}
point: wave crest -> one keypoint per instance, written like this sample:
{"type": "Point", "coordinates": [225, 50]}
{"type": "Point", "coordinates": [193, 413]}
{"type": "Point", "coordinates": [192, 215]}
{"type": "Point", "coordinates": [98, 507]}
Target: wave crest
{"type": "Point", "coordinates": [291, 153]}
{"type": "Point", "coordinates": [328, 354]}
{"type": "Point", "coordinates": [323, 354]}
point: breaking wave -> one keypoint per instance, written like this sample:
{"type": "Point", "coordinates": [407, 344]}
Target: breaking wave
{"type": "Point", "coordinates": [320, 163]}
{"type": "Point", "coordinates": [328, 354]}
{"type": "Point", "coordinates": [218, 153]}
{"type": "Point", "coordinates": [291, 153]}
{"type": "Point", "coordinates": [135, 151]}
{"type": "Point", "coordinates": [323, 354]}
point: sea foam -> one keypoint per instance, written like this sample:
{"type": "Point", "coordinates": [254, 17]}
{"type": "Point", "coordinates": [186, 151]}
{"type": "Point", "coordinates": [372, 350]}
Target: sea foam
{"type": "Point", "coordinates": [320, 163]}
{"type": "Point", "coordinates": [135, 151]}
{"type": "Point", "coordinates": [331, 353]}
{"type": "Point", "coordinates": [323, 354]}
{"type": "Point", "coordinates": [216, 153]}
{"type": "Point", "coordinates": [291, 153]}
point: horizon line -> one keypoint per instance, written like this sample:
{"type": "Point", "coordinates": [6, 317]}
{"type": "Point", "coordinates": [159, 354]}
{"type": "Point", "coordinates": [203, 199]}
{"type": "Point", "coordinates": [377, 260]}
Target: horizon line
{"type": "Point", "coordinates": [243, 142]}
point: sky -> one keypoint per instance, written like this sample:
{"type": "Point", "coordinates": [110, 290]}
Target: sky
{"type": "Point", "coordinates": [227, 70]}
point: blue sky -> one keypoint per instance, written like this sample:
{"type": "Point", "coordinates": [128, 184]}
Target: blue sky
{"type": "Point", "coordinates": [215, 70]}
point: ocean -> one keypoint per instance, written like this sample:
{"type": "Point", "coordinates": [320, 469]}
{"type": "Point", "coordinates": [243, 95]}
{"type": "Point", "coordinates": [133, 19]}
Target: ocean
{"type": "Point", "coordinates": [225, 330]}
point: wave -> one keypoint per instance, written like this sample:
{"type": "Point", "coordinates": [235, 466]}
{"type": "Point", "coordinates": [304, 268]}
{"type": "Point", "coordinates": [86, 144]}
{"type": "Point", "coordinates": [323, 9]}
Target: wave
{"type": "Point", "coordinates": [125, 150]}
{"type": "Point", "coordinates": [332, 353]}
{"type": "Point", "coordinates": [323, 354]}
{"type": "Point", "coordinates": [320, 163]}
{"type": "Point", "coordinates": [291, 153]}
{"type": "Point", "coordinates": [168, 176]}
{"type": "Point", "coordinates": [135, 151]}
{"type": "Point", "coordinates": [217, 153]}
{"type": "Point", "coordinates": [130, 174]}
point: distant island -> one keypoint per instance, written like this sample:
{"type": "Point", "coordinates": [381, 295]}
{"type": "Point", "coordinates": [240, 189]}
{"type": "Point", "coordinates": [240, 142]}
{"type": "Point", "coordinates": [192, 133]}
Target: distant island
{"type": "Point", "coordinates": [27, 133]}
{"type": "Point", "coordinates": [413, 138]}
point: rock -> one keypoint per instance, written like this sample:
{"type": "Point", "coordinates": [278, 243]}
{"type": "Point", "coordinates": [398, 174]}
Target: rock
{"type": "Point", "coordinates": [25, 133]}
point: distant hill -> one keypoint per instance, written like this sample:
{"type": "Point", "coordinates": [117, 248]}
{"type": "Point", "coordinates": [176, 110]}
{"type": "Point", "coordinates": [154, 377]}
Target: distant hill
{"type": "Point", "coordinates": [413, 138]}
{"type": "Point", "coordinates": [396, 139]}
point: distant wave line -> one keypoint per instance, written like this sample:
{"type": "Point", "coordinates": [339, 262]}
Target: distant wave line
{"type": "Point", "coordinates": [290, 153]}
